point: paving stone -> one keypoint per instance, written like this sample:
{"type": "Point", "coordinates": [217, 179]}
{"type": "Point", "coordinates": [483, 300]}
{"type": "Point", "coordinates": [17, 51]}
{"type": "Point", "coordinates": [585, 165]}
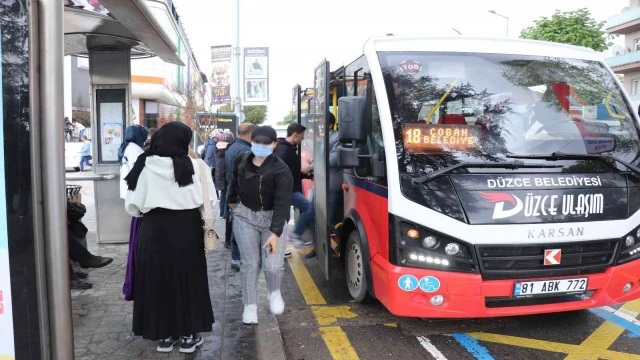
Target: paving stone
{"type": "Point", "coordinates": [111, 346]}
{"type": "Point", "coordinates": [133, 348]}
{"type": "Point", "coordinates": [87, 357]}
{"type": "Point", "coordinates": [126, 336]}
{"type": "Point", "coordinates": [95, 349]}
{"type": "Point", "coordinates": [105, 336]}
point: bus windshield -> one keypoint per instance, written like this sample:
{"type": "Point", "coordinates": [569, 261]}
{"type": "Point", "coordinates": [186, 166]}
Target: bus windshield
{"type": "Point", "coordinates": [449, 108]}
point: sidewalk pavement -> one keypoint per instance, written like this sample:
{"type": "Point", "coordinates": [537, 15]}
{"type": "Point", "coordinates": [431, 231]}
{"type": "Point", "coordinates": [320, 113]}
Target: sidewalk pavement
{"type": "Point", "coordinates": [102, 319]}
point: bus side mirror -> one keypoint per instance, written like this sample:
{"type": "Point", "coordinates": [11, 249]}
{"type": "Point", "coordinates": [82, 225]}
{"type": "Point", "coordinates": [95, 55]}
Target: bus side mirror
{"type": "Point", "coordinates": [350, 156]}
{"type": "Point", "coordinates": [351, 119]}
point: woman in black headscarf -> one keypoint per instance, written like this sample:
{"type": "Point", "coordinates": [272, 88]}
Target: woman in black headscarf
{"type": "Point", "coordinates": [131, 148]}
{"type": "Point", "coordinates": [171, 290]}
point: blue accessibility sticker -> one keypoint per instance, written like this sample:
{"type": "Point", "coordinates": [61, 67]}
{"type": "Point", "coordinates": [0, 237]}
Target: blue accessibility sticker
{"type": "Point", "coordinates": [408, 282]}
{"type": "Point", "coordinates": [429, 284]}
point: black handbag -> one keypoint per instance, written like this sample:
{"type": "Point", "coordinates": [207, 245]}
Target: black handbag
{"type": "Point", "coordinates": [75, 211]}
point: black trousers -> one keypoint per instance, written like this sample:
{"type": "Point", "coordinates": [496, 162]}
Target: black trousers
{"type": "Point", "coordinates": [77, 252]}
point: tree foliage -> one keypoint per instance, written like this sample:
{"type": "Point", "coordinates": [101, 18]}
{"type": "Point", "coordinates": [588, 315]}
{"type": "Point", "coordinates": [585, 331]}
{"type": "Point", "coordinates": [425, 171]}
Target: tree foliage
{"type": "Point", "coordinates": [188, 96]}
{"type": "Point", "coordinates": [288, 119]}
{"type": "Point", "coordinates": [255, 113]}
{"type": "Point", "coordinates": [227, 108]}
{"type": "Point", "coordinates": [572, 27]}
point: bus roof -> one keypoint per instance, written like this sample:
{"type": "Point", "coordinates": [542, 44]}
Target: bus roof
{"type": "Point", "coordinates": [482, 45]}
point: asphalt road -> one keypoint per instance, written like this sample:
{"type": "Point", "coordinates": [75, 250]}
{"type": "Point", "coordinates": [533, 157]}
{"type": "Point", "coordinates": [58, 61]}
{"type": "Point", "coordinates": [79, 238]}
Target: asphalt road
{"type": "Point", "coordinates": [322, 322]}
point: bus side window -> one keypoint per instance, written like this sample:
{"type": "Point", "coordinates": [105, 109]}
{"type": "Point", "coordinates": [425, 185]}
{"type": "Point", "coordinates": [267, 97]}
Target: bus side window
{"type": "Point", "coordinates": [375, 142]}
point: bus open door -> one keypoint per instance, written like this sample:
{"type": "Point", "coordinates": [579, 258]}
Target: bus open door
{"type": "Point", "coordinates": [320, 169]}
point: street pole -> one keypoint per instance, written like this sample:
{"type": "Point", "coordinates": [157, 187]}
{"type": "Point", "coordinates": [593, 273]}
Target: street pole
{"type": "Point", "coordinates": [236, 69]}
{"type": "Point", "coordinates": [502, 16]}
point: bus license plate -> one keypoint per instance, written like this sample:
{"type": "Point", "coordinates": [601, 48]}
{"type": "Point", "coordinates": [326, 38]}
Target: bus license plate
{"type": "Point", "coordinates": [541, 288]}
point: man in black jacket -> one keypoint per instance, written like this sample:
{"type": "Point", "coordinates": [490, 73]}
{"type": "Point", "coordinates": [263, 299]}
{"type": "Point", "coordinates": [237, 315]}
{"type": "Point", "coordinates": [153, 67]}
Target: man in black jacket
{"type": "Point", "coordinates": [287, 151]}
{"type": "Point", "coordinates": [260, 195]}
{"type": "Point", "coordinates": [241, 146]}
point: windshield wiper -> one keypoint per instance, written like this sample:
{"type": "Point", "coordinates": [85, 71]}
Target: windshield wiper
{"type": "Point", "coordinates": [567, 156]}
{"type": "Point", "coordinates": [483, 165]}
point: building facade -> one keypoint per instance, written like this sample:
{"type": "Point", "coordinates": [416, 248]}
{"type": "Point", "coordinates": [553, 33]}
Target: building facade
{"type": "Point", "coordinates": [626, 61]}
{"type": "Point", "coordinates": [160, 92]}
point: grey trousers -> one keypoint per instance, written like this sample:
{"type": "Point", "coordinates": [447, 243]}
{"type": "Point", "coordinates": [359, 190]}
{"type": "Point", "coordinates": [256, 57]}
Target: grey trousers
{"type": "Point", "coordinates": [251, 231]}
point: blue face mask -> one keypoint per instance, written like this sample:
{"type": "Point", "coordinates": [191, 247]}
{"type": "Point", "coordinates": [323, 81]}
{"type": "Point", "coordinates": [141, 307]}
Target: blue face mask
{"type": "Point", "coordinates": [261, 150]}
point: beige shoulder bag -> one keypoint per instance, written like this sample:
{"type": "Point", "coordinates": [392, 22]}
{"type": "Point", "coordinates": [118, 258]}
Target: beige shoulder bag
{"type": "Point", "coordinates": [210, 235]}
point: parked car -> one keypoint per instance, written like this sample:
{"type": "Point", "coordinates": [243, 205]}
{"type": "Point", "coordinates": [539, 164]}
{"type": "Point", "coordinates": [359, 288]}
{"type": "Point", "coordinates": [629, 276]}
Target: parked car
{"type": "Point", "coordinates": [72, 155]}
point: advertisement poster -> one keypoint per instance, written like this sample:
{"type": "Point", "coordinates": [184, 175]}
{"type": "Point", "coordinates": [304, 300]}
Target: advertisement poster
{"type": "Point", "coordinates": [220, 75]}
{"type": "Point", "coordinates": [256, 74]}
{"type": "Point", "coordinates": [111, 120]}
{"type": "Point", "coordinates": [7, 349]}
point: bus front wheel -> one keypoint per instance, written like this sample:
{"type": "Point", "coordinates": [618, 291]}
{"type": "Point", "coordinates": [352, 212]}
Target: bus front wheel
{"type": "Point", "coordinates": [355, 274]}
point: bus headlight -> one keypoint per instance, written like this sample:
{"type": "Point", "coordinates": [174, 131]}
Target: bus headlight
{"type": "Point", "coordinates": [629, 241]}
{"type": "Point", "coordinates": [452, 249]}
{"type": "Point", "coordinates": [430, 242]}
{"type": "Point", "coordinates": [629, 248]}
{"type": "Point", "coordinates": [412, 245]}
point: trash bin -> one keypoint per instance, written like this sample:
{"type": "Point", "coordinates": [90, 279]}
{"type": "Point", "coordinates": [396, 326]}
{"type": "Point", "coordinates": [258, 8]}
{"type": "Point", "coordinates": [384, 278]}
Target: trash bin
{"type": "Point", "coordinates": [73, 193]}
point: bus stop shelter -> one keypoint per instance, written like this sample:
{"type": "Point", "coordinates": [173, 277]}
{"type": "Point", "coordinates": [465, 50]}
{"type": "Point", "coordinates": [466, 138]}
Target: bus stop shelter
{"type": "Point", "coordinates": [35, 306]}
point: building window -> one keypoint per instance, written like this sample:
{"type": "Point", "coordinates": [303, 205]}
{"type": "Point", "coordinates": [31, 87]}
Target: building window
{"type": "Point", "coordinates": [150, 114]}
{"type": "Point", "coordinates": [637, 44]}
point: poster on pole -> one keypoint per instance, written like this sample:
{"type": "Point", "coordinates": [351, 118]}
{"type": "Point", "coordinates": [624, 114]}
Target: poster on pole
{"type": "Point", "coordinates": [111, 123]}
{"type": "Point", "coordinates": [221, 74]}
{"type": "Point", "coordinates": [7, 349]}
{"type": "Point", "coordinates": [256, 74]}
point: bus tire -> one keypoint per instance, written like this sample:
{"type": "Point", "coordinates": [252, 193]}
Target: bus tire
{"type": "Point", "coordinates": [355, 273]}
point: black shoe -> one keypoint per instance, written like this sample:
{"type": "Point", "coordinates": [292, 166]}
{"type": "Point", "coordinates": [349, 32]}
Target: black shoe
{"type": "Point", "coordinates": [311, 255]}
{"type": "Point", "coordinates": [235, 265]}
{"type": "Point", "coordinates": [79, 275]}
{"type": "Point", "coordinates": [80, 285]}
{"type": "Point", "coordinates": [166, 345]}
{"type": "Point", "coordinates": [191, 343]}
{"type": "Point", "coordinates": [95, 262]}
{"type": "Point", "coordinates": [227, 245]}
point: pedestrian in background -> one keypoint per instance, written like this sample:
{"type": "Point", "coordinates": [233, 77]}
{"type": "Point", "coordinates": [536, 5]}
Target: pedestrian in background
{"type": "Point", "coordinates": [240, 146]}
{"type": "Point", "coordinates": [85, 153]}
{"type": "Point", "coordinates": [226, 140]}
{"type": "Point", "coordinates": [171, 290]}
{"type": "Point", "coordinates": [287, 150]}
{"type": "Point", "coordinates": [134, 138]}
{"type": "Point", "coordinates": [260, 196]}
{"type": "Point", "coordinates": [147, 143]}
{"type": "Point", "coordinates": [68, 129]}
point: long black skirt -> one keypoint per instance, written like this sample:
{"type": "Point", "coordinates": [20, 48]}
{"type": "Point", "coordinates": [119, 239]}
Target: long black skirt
{"type": "Point", "coordinates": [171, 289]}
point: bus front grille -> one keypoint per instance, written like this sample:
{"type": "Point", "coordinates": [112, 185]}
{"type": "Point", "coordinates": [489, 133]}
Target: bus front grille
{"type": "Point", "coordinates": [501, 262]}
{"type": "Point", "coordinates": [505, 301]}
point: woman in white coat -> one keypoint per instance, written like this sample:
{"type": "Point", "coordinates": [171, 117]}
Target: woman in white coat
{"type": "Point", "coordinates": [171, 290]}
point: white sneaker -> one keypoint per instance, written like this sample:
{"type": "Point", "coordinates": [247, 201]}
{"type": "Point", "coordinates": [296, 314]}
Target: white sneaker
{"type": "Point", "coordinates": [276, 303]}
{"type": "Point", "coordinates": [250, 315]}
